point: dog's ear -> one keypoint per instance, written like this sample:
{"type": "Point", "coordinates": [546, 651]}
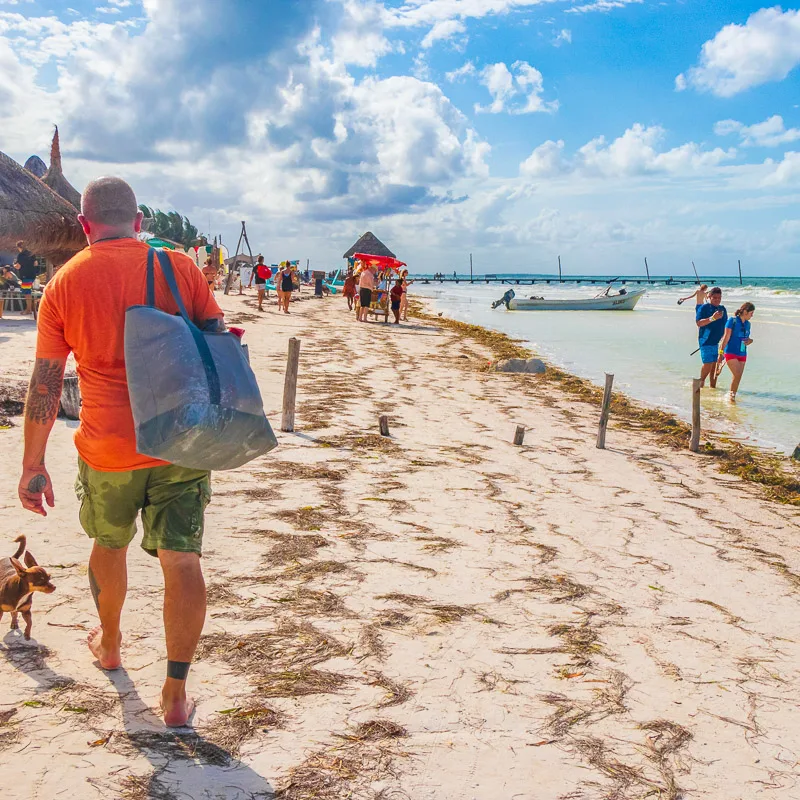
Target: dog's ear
{"type": "Point", "coordinates": [17, 566]}
{"type": "Point", "coordinates": [30, 561]}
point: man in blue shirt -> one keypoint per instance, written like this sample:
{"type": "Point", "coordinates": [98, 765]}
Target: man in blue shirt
{"type": "Point", "coordinates": [711, 318]}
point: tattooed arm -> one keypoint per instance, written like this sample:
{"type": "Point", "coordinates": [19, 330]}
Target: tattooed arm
{"type": "Point", "coordinates": [41, 408]}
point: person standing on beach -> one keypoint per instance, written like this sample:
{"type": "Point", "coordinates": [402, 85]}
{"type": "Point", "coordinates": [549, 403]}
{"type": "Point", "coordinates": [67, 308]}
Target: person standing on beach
{"type": "Point", "coordinates": [404, 298]}
{"type": "Point", "coordinates": [27, 270]}
{"type": "Point", "coordinates": [349, 290]}
{"type": "Point", "coordinates": [260, 274]}
{"type": "Point", "coordinates": [710, 318]}
{"type": "Point", "coordinates": [699, 297]}
{"type": "Point", "coordinates": [397, 299]}
{"type": "Point", "coordinates": [366, 284]}
{"type": "Point", "coordinates": [287, 286]}
{"type": "Point", "coordinates": [210, 274]}
{"type": "Point", "coordinates": [115, 482]}
{"type": "Point", "coordinates": [734, 345]}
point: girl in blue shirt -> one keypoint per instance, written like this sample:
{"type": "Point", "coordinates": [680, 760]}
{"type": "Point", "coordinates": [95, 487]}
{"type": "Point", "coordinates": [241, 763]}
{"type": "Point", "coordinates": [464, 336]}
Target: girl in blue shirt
{"type": "Point", "coordinates": [733, 347]}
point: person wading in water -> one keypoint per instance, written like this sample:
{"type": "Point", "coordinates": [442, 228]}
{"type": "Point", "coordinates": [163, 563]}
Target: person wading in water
{"type": "Point", "coordinates": [733, 347]}
{"type": "Point", "coordinates": [115, 483]}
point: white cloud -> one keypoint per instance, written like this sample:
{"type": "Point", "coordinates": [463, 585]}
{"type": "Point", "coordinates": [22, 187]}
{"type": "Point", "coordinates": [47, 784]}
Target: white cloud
{"type": "Point", "coordinates": [769, 133]}
{"type": "Point", "coordinates": [429, 12]}
{"type": "Point", "coordinates": [637, 152]}
{"type": "Point", "coordinates": [601, 5]}
{"type": "Point", "coordinates": [564, 36]}
{"type": "Point", "coordinates": [546, 161]}
{"type": "Point", "coordinates": [766, 48]}
{"type": "Point", "coordinates": [784, 172]}
{"type": "Point", "coordinates": [518, 92]}
{"type": "Point", "coordinates": [442, 31]}
{"type": "Point", "coordinates": [359, 39]}
{"type": "Point", "coordinates": [464, 71]}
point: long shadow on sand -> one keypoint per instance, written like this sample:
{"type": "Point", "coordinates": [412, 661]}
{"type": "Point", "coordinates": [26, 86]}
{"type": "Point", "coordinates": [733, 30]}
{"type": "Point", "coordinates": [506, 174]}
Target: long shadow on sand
{"type": "Point", "coordinates": [31, 658]}
{"type": "Point", "coordinates": [185, 765]}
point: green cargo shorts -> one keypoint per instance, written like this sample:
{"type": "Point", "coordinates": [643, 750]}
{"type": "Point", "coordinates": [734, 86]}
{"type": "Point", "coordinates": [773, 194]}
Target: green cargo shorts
{"type": "Point", "coordinates": [172, 500]}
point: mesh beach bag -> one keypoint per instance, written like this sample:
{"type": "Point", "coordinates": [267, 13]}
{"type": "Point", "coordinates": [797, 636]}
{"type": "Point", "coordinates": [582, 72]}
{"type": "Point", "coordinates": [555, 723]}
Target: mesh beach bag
{"type": "Point", "coordinates": [195, 400]}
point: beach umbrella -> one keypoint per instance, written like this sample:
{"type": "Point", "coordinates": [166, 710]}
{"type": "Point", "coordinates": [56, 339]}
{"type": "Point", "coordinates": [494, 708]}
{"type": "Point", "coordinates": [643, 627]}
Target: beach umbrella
{"type": "Point", "coordinates": [370, 244]}
{"type": "Point", "coordinates": [33, 212]}
{"type": "Point", "coordinates": [155, 242]}
{"type": "Point", "coordinates": [381, 262]}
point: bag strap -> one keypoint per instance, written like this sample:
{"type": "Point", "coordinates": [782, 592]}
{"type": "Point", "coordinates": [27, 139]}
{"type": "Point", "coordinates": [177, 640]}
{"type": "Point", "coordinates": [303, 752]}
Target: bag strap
{"type": "Point", "coordinates": [215, 393]}
{"type": "Point", "coordinates": [151, 279]}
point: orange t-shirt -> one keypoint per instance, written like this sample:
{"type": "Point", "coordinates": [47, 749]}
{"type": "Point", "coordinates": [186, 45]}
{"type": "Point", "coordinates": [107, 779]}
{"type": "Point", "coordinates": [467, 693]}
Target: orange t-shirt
{"type": "Point", "coordinates": [83, 312]}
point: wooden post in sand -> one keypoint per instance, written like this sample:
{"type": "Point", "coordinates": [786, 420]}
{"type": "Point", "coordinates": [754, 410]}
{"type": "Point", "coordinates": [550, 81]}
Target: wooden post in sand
{"type": "Point", "coordinates": [384, 425]}
{"type": "Point", "coordinates": [694, 445]}
{"type": "Point", "coordinates": [71, 398]}
{"type": "Point", "coordinates": [290, 386]}
{"type": "Point", "coordinates": [519, 436]}
{"type": "Point", "coordinates": [601, 431]}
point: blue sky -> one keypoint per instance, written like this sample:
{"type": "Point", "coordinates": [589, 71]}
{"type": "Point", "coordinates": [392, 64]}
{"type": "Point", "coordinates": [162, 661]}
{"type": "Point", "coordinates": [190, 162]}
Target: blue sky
{"type": "Point", "coordinates": [519, 130]}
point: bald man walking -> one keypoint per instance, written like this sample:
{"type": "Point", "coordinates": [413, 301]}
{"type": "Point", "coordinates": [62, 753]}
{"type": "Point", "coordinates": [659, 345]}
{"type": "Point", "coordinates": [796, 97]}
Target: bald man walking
{"type": "Point", "coordinates": [86, 317]}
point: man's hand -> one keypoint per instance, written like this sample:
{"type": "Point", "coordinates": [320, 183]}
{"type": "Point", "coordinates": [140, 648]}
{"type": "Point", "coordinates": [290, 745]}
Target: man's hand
{"type": "Point", "coordinates": [33, 485]}
{"type": "Point", "coordinates": [716, 315]}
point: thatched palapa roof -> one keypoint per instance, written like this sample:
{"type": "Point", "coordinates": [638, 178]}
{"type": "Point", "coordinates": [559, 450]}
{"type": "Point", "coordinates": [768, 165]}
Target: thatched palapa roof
{"type": "Point", "coordinates": [33, 212]}
{"type": "Point", "coordinates": [55, 179]}
{"type": "Point", "coordinates": [370, 244]}
{"type": "Point", "coordinates": [35, 165]}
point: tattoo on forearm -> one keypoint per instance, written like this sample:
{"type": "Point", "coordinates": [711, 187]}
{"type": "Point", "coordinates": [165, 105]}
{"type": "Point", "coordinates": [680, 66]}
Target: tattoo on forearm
{"type": "Point", "coordinates": [44, 393]}
{"type": "Point", "coordinates": [37, 484]}
{"type": "Point", "coordinates": [95, 587]}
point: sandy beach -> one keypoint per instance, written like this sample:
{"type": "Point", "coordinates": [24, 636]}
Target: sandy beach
{"type": "Point", "coordinates": [435, 616]}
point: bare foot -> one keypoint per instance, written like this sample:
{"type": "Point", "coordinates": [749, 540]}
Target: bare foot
{"type": "Point", "coordinates": [107, 654]}
{"type": "Point", "coordinates": [177, 712]}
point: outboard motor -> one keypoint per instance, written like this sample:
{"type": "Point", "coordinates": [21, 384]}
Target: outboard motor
{"type": "Point", "coordinates": [505, 299]}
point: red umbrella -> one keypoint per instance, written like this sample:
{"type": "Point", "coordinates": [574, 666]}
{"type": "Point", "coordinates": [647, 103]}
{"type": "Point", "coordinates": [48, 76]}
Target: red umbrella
{"type": "Point", "coordinates": [381, 262]}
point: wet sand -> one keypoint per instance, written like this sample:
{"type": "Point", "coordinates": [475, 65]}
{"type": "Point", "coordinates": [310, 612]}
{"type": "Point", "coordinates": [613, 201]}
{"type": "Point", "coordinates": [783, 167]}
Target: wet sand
{"type": "Point", "coordinates": [436, 615]}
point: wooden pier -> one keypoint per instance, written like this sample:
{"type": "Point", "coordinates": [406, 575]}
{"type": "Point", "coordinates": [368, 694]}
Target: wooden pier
{"type": "Point", "coordinates": [589, 280]}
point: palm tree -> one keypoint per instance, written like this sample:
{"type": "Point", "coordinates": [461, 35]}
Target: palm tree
{"type": "Point", "coordinates": [171, 225]}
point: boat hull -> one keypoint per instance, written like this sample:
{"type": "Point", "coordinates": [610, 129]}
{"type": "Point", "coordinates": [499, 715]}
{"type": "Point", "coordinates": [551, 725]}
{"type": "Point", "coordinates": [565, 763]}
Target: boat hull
{"type": "Point", "coordinates": [626, 302]}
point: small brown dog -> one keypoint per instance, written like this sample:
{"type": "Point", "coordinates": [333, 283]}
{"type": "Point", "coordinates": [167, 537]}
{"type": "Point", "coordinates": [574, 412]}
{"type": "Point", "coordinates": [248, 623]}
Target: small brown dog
{"type": "Point", "coordinates": [18, 584]}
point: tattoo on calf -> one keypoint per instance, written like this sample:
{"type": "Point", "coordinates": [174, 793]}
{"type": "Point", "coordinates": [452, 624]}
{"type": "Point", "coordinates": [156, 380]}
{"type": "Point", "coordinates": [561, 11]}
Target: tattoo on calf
{"type": "Point", "coordinates": [37, 484]}
{"type": "Point", "coordinates": [44, 392]}
{"type": "Point", "coordinates": [94, 586]}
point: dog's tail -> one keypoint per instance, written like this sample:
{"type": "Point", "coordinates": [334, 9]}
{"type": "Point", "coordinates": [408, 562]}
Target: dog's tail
{"type": "Point", "coordinates": [21, 549]}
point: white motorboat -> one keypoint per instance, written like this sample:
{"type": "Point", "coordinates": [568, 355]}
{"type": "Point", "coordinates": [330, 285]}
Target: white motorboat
{"type": "Point", "coordinates": [621, 301]}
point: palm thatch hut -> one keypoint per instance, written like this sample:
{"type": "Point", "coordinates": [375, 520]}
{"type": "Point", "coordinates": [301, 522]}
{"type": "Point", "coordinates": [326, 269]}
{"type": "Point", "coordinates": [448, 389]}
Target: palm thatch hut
{"type": "Point", "coordinates": [35, 165]}
{"type": "Point", "coordinates": [55, 179]}
{"type": "Point", "coordinates": [33, 212]}
{"type": "Point", "coordinates": [370, 244]}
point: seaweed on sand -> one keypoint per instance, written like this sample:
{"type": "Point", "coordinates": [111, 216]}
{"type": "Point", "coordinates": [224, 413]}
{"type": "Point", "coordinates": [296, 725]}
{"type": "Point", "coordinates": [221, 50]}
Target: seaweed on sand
{"type": "Point", "coordinates": [346, 771]}
{"type": "Point", "coordinates": [396, 693]}
{"type": "Point", "coordinates": [779, 477]}
{"type": "Point", "coordinates": [309, 602]}
{"type": "Point", "coordinates": [560, 588]}
{"type": "Point", "coordinates": [292, 547]}
{"type": "Point", "coordinates": [232, 727]}
{"type": "Point", "coordinates": [290, 646]}
{"type": "Point", "coordinates": [307, 518]}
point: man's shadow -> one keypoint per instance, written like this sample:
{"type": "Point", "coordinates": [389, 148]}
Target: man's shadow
{"type": "Point", "coordinates": [184, 763]}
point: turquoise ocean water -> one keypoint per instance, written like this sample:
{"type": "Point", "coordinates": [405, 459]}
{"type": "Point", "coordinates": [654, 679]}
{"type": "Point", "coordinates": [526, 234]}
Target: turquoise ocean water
{"type": "Point", "coordinates": [648, 349]}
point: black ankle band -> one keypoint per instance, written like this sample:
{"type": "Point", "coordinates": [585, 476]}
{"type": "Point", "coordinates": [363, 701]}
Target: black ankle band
{"type": "Point", "coordinates": [178, 670]}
